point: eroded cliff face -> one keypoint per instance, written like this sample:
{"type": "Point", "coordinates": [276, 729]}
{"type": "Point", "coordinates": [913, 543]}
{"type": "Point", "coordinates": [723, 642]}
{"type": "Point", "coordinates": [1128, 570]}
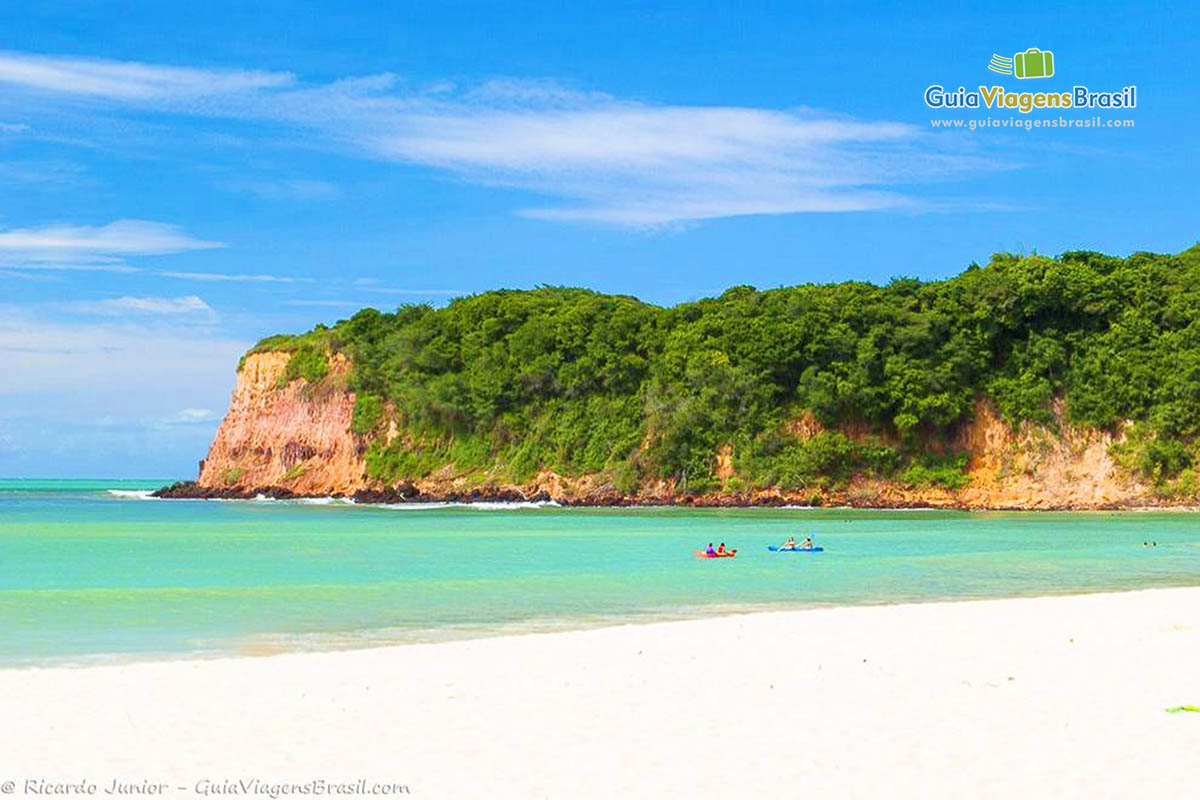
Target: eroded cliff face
{"type": "Point", "coordinates": [295, 437]}
{"type": "Point", "coordinates": [1034, 467]}
{"type": "Point", "coordinates": [1030, 467]}
{"type": "Point", "coordinates": [292, 435]}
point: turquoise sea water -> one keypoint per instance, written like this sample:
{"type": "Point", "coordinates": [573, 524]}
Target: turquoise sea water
{"type": "Point", "coordinates": [92, 570]}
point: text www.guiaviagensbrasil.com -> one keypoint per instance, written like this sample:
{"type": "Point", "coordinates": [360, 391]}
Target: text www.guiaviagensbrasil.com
{"type": "Point", "coordinates": [1021, 123]}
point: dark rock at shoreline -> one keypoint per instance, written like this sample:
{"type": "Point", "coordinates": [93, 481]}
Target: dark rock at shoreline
{"type": "Point", "coordinates": [401, 493]}
{"type": "Point", "coordinates": [391, 495]}
{"type": "Point", "coordinates": [189, 490]}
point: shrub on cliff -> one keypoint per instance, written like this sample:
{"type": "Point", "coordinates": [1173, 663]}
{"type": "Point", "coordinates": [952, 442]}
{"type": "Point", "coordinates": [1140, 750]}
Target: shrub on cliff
{"type": "Point", "coordinates": [367, 414]}
{"type": "Point", "coordinates": [307, 362]}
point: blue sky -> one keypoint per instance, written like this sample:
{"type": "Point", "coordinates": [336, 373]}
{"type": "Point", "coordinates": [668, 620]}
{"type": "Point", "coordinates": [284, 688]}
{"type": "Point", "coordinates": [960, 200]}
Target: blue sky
{"type": "Point", "coordinates": [180, 180]}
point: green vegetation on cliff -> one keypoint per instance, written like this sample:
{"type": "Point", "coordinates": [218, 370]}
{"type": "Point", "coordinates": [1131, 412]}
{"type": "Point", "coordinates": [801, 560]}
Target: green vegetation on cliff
{"type": "Point", "coordinates": [307, 362]}
{"type": "Point", "coordinates": [575, 381]}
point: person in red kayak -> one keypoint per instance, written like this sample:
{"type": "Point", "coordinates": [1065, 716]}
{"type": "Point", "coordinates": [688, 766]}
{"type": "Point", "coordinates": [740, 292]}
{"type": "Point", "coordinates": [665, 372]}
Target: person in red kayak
{"type": "Point", "coordinates": [721, 549]}
{"type": "Point", "coordinates": [710, 552]}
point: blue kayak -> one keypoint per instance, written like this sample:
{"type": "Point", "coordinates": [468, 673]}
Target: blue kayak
{"type": "Point", "coordinates": [775, 549]}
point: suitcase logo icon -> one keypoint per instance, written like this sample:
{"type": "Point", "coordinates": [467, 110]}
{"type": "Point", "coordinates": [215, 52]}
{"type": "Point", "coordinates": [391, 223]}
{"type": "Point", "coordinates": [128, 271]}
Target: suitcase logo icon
{"type": "Point", "coordinates": [1033, 63]}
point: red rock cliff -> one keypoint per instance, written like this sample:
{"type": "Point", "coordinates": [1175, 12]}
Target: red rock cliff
{"type": "Point", "coordinates": [292, 435]}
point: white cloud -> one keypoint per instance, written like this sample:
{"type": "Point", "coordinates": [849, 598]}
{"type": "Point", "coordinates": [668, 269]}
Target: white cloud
{"type": "Point", "coordinates": [124, 237]}
{"type": "Point", "coordinates": [635, 164]}
{"type": "Point", "coordinates": [42, 263]}
{"type": "Point", "coordinates": [190, 304]}
{"type": "Point", "coordinates": [25, 276]}
{"type": "Point", "coordinates": [24, 252]}
{"type": "Point", "coordinates": [126, 79]}
{"type": "Point", "coordinates": [191, 416]}
{"type": "Point", "coordinates": [135, 373]}
{"type": "Point", "coordinates": [375, 285]}
{"type": "Point", "coordinates": [292, 189]}
{"type": "Point", "coordinates": [219, 277]}
{"type": "Point", "coordinates": [592, 156]}
{"type": "Point", "coordinates": [42, 173]}
{"type": "Point", "coordinates": [127, 362]}
{"type": "Point", "coordinates": [326, 303]}
{"type": "Point", "coordinates": [414, 292]}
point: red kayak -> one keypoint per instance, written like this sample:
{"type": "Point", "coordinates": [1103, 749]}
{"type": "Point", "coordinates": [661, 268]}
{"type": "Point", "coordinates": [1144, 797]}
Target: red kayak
{"type": "Point", "coordinates": [726, 554]}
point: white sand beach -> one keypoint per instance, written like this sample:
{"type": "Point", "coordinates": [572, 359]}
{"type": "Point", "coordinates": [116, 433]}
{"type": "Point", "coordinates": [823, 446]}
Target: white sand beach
{"type": "Point", "coordinates": [1047, 697]}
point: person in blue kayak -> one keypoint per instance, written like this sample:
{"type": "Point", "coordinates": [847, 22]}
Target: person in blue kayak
{"type": "Point", "coordinates": [807, 544]}
{"type": "Point", "coordinates": [790, 544]}
{"type": "Point", "coordinates": [710, 551]}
